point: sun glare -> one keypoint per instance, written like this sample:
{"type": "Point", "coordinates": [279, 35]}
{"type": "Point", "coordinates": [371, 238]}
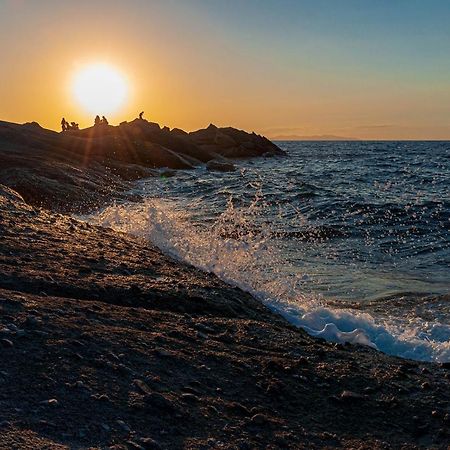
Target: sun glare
{"type": "Point", "coordinates": [100, 88]}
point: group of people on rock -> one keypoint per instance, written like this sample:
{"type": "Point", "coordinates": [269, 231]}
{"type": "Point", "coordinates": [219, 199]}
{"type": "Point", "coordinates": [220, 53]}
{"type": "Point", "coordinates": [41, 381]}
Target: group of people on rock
{"type": "Point", "coordinates": [66, 126]}
{"type": "Point", "coordinates": [102, 121]}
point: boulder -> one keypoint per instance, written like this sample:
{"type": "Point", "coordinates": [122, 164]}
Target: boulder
{"type": "Point", "coordinates": [220, 166]}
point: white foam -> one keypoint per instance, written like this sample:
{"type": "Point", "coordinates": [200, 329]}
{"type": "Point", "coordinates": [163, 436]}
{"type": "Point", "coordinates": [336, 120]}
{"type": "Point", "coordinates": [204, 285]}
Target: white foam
{"type": "Point", "coordinates": [249, 260]}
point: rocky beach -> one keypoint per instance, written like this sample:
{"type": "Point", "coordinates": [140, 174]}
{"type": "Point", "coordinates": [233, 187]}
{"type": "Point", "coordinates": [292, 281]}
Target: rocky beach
{"type": "Point", "coordinates": [107, 343]}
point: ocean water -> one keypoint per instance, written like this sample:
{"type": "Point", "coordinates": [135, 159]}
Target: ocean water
{"type": "Point", "coordinates": [348, 240]}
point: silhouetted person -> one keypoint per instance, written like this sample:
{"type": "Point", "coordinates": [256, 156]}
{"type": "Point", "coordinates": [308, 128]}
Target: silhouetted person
{"type": "Point", "coordinates": [104, 121]}
{"type": "Point", "coordinates": [141, 115]}
{"type": "Point", "coordinates": [64, 124]}
{"type": "Point", "coordinates": [97, 120]}
{"type": "Point", "coordinates": [74, 126]}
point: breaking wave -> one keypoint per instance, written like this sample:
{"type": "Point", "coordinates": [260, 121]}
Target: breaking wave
{"type": "Point", "coordinates": [248, 257]}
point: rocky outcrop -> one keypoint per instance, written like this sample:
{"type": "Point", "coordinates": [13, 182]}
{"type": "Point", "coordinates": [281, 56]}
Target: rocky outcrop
{"type": "Point", "coordinates": [233, 143]}
{"type": "Point", "coordinates": [83, 168]}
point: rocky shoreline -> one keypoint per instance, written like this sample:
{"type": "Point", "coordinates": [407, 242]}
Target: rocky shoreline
{"type": "Point", "coordinates": [106, 343]}
{"type": "Point", "coordinates": [79, 170]}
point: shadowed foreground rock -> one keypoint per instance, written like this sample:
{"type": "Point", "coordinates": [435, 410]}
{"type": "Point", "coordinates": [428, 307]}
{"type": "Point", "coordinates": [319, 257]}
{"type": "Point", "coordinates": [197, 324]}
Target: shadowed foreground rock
{"type": "Point", "coordinates": [107, 343]}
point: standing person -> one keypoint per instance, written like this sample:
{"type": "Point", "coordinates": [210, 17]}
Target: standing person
{"type": "Point", "coordinates": [97, 120]}
{"type": "Point", "coordinates": [141, 115]}
{"type": "Point", "coordinates": [64, 124]}
{"type": "Point", "coordinates": [104, 121]}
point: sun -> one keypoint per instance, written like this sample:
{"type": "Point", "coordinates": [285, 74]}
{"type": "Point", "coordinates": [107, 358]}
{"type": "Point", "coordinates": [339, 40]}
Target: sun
{"type": "Point", "coordinates": [100, 88]}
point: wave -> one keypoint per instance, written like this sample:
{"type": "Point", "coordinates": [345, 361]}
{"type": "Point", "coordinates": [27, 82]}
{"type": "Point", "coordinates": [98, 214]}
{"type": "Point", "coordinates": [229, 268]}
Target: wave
{"type": "Point", "coordinates": [231, 249]}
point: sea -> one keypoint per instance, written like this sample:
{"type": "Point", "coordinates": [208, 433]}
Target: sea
{"type": "Point", "coordinates": [349, 241]}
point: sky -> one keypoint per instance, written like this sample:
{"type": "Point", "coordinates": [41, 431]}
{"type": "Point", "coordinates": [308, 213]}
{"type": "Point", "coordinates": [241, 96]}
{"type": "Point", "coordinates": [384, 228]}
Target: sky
{"type": "Point", "coordinates": [368, 69]}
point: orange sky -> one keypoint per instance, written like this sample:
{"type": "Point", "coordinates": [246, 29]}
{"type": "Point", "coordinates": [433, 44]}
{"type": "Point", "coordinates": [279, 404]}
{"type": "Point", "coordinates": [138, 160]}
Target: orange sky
{"type": "Point", "coordinates": [278, 71]}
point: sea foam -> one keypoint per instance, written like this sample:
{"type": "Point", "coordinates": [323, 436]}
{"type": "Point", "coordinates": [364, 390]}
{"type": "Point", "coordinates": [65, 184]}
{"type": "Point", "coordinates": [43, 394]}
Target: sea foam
{"type": "Point", "coordinates": [238, 255]}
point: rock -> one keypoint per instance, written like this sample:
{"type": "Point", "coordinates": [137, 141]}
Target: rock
{"type": "Point", "coordinates": [220, 166]}
{"type": "Point", "coordinates": [142, 386]}
{"type": "Point", "coordinates": [123, 426]}
{"type": "Point", "coordinates": [425, 386]}
{"type": "Point", "coordinates": [135, 445]}
{"type": "Point", "coordinates": [50, 402]}
{"type": "Point", "coordinates": [233, 143]}
{"type": "Point", "coordinates": [32, 322]}
{"type": "Point", "coordinates": [6, 343]}
{"type": "Point", "coordinates": [239, 409]}
{"type": "Point", "coordinates": [259, 419]}
{"type": "Point", "coordinates": [202, 335]}
{"type": "Point", "coordinates": [159, 402]}
{"type": "Point", "coordinates": [162, 353]}
{"type": "Point", "coordinates": [149, 443]}
{"type": "Point", "coordinates": [350, 396]}
{"type": "Point", "coordinates": [189, 398]}
{"type": "Point", "coordinates": [190, 390]}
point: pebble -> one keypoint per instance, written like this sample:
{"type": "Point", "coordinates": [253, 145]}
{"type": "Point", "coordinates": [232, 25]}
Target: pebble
{"type": "Point", "coordinates": [49, 402]}
{"type": "Point", "coordinates": [240, 409]}
{"type": "Point", "coordinates": [204, 328]}
{"type": "Point", "coordinates": [149, 443]}
{"type": "Point", "coordinates": [134, 445]}
{"type": "Point", "coordinates": [162, 353]}
{"type": "Point", "coordinates": [142, 386]}
{"type": "Point", "coordinates": [6, 343]}
{"type": "Point", "coordinates": [158, 401]}
{"type": "Point", "coordinates": [31, 322]}
{"type": "Point", "coordinates": [190, 390]}
{"type": "Point", "coordinates": [259, 419]}
{"type": "Point", "coordinates": [349, 395]}
{"type": "Point", "coordinates": [190, 398]}
{"type": "Point", "coordinates": [123, 425]}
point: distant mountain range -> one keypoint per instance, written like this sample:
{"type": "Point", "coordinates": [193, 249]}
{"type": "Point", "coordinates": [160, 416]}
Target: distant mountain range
{"type": "Point", "coordinates": [321, 137]}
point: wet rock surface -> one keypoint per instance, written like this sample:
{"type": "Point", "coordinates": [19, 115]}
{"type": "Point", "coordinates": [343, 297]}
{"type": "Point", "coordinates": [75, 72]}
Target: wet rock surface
{"type": "Point", "coordinates": [108, 344]}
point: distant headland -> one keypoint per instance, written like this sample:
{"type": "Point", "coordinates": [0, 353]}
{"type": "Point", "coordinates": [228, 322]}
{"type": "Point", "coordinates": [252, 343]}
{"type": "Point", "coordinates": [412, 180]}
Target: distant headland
{"type": "Point", "coordinates": [314, 137]}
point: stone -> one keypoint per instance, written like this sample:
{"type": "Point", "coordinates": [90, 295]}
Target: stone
{"type": "Point", "coordinates": [6, 343]}
{"type": "Point", "coordinates": [259, 419]}
{"type": "Point", "coordinates": [349, 396]}
{"type": "Point", "coordinates": [49, 402]}
{"type": "Point", "coordinates": [159, 402]}
{"type": "Point", "coordinates": [189, 398]}
{"type": "Point", "coordinates": [123, 425]}
{"type": "Point", "coordinates": [149, 444]}
{"type": "Point", "coordinates": [142, 387]}
{"type": "Point", "coordinates": [220, 166]}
